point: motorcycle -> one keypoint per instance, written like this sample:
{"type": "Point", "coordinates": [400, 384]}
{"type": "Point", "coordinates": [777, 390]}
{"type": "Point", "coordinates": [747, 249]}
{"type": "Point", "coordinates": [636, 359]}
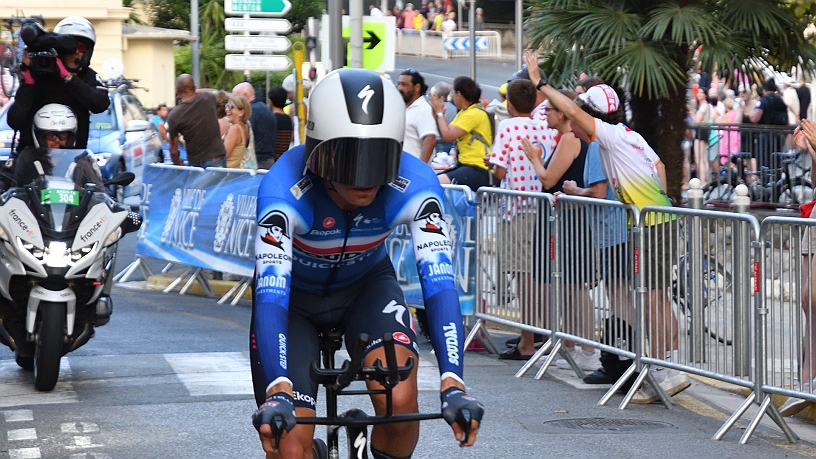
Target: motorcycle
{"type": "Point", "coordinates": [58, 239]}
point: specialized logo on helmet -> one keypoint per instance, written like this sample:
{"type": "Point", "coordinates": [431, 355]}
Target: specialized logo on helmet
{"type": "Point", "coordinates": [365, 95]}
{"type": "Point", "coordinates": [277, 228]}
{"type": "Point", "coordinates": [431, 212]}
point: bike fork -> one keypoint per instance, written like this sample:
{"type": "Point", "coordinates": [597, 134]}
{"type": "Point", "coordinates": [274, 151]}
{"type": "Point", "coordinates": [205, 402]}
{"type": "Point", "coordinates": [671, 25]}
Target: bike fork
{"type": "Point", "coordinates": [357, 436]}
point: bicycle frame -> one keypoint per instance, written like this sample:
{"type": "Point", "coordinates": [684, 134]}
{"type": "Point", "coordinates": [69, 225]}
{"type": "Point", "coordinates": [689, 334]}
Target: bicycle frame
{"type": "Point", "coordinates": [336, 381]}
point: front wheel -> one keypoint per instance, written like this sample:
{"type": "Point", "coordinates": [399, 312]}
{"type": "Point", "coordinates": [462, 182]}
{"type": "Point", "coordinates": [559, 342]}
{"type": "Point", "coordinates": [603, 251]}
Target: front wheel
{"type": "Point", "coordinates": [50, 342]}
{"type": "Point", "coordinates": [319, 449]}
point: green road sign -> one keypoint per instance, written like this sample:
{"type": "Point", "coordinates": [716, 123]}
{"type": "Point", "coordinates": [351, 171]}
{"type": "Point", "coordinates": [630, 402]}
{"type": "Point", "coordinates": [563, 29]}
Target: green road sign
{"type": "Point", "coordinates": [373, 44]}
{"type": "Point", "coordinates": [257, 7]}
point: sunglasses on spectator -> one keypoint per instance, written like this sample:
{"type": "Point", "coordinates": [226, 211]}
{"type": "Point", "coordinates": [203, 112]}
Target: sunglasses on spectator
{"type": "Point", "coordinates": [56, 136]}
{"type": "Point", "coordinates": [229, 106]}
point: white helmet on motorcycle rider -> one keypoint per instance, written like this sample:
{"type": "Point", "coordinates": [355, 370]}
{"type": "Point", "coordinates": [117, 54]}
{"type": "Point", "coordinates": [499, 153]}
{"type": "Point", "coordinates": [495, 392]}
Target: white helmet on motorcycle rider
{"type": "Point", "coordinates": [56, 121]}
{"type": "Point", "coordinates": [85, 35]}
{"type": "Point", "coordinates": [358, 143]}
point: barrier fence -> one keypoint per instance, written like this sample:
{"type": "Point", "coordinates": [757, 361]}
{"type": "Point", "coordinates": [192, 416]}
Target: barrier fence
{"type": "Point", "coordinates": [707, 292]}
{"type": "Point", "coordinates": [446, 45]}
{"type": "Point", "coordinates": [711, 293]}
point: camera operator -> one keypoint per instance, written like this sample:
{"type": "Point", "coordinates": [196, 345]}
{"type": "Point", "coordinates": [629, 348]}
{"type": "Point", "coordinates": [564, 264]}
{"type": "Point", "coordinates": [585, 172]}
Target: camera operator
{"type": "Point", "coordinates": [56, 71]}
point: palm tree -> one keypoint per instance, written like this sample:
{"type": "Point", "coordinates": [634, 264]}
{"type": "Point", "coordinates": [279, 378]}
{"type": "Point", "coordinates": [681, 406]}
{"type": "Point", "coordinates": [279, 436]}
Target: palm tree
{"type": "Point", "coordinates": [647, 47]}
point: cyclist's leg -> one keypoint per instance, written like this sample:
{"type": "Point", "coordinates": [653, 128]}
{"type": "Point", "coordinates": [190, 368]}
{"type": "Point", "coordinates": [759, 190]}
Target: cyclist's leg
{"type": "Point", "coordinates": [380, 308]}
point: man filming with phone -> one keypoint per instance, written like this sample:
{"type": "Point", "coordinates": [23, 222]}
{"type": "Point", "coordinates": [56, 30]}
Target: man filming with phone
{"type": "Point", "coordinates": [56, 70]}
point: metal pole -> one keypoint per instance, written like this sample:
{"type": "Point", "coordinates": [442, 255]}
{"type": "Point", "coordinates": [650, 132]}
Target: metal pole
{"type": "Point", "coordinates": [356, 33]}
{"type": "Point", "coordinates": [194, 57]}
{"type": "Point", "coordinates": [336, 43]}
{"type": "Point", "coordinates": [741, 298]}
{"type": "Point", "coordinates": [472, 29]}
{"type": "Point", "coordinates": [519, 41]}
{"type": "Point", "coordinates": [246, 53]}
{"type": "Point", "coordinates": [459, 14]}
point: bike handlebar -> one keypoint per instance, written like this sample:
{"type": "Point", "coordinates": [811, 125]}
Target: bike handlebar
{"type": "Point", "coordinates": [353, 366]}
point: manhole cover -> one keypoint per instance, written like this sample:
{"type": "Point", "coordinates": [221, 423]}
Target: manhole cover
{"type": "Point", "coordinates": [607, 425]}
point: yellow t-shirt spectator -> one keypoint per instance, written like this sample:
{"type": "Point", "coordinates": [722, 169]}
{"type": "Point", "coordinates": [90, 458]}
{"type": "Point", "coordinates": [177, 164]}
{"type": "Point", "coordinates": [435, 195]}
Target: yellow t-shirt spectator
{"type": "Point", "coordinates": [437, 22]}
{"type": "Point", "coordinates": [419, 21]}
{"type": "Point", "coordinates": [471, 150]}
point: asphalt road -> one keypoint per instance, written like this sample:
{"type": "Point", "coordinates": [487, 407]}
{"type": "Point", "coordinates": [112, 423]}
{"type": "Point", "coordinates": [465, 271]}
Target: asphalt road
{"type": "Point", "coordinates": [169, 377]}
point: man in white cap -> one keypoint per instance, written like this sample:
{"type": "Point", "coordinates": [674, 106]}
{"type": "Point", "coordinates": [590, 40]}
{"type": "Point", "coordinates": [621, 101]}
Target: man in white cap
{"type": "Point", "coordinates": [638, 177]}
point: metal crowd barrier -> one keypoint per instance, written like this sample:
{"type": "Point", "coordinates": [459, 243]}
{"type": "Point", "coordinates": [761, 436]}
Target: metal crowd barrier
{"type": "Point", "coordinates": [429, 43]}
{"type": "Point", "coordinates": [710, 293]}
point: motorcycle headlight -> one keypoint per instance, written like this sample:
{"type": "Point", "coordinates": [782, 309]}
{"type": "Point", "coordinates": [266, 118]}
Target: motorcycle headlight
{"type": "Point", "coordinates": [56, 255]}
{"type": "Point", "coordinates": [3, 235]}
{"type": "Point", "coordinates": [33, 250]}
{"type": "Point", "coordinates": [77, 255]}
{"type": "Point", "coordinates": [114, 236]}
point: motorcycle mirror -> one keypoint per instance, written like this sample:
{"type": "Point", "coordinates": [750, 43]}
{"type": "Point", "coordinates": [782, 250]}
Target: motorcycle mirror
{"type": "Point", "coordinates": [122, 179]}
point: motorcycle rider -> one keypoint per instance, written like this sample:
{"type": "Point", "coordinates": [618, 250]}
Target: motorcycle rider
{"type": "Point", "coordinates": [75, 85]}
{"type": "Point", "coordinates": [54, 128]}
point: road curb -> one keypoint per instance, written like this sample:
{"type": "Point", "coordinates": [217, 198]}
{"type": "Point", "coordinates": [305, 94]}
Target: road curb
{"type": "Point", "coordinates": [220, 287]}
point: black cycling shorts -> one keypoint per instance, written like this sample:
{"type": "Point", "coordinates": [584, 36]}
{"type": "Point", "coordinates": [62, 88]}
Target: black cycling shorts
{"type": "Point", "coordinates": [374, 305]}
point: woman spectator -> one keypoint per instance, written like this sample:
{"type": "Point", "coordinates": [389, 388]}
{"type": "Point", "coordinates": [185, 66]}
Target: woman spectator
{"type": "Point", "coordinates": [236, 139]}
{"type": "Point", "coordinates": [701, 136]}
{"type": "Point", "coordinates": [472, 132]}
{"type": "Point", "coordinates": [221, 98]}
{"type": "Point", "coordinates": [730, 141]}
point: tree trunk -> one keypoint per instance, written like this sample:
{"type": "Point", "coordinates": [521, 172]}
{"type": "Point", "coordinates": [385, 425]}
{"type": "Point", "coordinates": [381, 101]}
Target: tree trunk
{"type": "Point", "coordinates": [670, 136]}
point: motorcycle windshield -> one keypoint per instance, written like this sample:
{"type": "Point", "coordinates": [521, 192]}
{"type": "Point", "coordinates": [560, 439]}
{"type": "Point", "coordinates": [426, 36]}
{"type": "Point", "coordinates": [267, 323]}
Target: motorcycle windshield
{"type": "Point", "coordinates": [67, 172]}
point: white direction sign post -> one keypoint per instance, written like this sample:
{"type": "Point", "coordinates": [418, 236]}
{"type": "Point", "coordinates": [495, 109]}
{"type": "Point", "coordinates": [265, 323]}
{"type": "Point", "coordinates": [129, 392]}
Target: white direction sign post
{"type": "Point", "coordinates": [259, 62]}
{"type": "Point", "coordinates": [257, 25]}
{"type": "Point", "coordinates": [256, 43]}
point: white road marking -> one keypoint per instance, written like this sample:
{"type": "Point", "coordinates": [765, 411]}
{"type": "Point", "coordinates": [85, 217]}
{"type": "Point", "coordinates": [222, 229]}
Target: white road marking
{"type": "Point", "coordinates": [89, 455]}
{"type": "Point", "coordinates": [78, 427]}
{"type": "Point", "coordinates": [213, 373]}
{"type": "Point", "coordinates": [17, 386]}
{"type": "Point", "coordinates": [18, 415]}
{"type": "Point", "coordinates": [25, 453]}
{"type": "Point", "coordinates": [22, 434]}
{"type": "Point", "coordinates": [82, 442]}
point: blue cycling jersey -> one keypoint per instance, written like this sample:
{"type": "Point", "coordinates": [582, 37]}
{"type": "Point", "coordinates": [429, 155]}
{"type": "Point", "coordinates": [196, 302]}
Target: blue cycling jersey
{"type": "Point", "coordinates": [305, 241]}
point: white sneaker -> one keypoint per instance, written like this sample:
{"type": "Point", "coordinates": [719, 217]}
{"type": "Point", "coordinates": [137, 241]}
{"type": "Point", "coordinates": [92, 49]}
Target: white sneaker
{"type": "Point", "coordinates": [585, 361]}
{"type": "Point", "coordinates": [794, 405]}
{"type": "Point", "coordinates": [673, 383]}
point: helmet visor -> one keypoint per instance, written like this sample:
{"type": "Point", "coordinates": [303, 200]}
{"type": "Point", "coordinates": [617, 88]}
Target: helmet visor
{"type": "Point", "coordinates": [355, 161]}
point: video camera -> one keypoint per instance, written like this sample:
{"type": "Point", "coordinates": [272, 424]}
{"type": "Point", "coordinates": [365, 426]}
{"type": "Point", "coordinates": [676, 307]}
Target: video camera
{"type": "Point", "coordinates": [44, 48]}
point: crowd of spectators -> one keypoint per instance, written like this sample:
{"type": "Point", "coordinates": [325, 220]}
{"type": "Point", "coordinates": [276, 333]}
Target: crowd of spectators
{"type": "Point", "coordinates": [435, 16]}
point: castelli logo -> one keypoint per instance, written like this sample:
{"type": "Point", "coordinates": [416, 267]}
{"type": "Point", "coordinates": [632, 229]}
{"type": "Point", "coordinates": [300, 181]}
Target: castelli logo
{"type": "Point", "coordinates": [328, 222]}
{"type": "Point", "coordinates": [402, 337]}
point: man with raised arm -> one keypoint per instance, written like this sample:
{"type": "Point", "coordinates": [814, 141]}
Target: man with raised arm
{"type": "Point", "coordinates": [324, 212]}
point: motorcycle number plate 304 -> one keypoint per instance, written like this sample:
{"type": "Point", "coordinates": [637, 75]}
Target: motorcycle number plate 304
{"type": "Point", "coordinates": [70, 197]}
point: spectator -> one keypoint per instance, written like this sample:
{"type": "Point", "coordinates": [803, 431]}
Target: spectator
{"type": "Point", "coordinates": [717, 109]}
{"type": "Point", "coordinates": [770, 109]}
{"type": "Point", "coordinates": [701, 136]}
{"type": "Point", "coordinates": [221, 98]}
{"type": "Point", "coordinates": [805, 138]}
{"type": "Point", "coordinates": [397, 13]}
{"type": "Point", "coordinates": [442, 89]}
{"type": "Point", "coordinates": [472, 132]}
{"type": "Point", "coordinates": [570, 170]}
{"type": "Point", "coordinates": [585, 83]}
{"type": "Point", "coordinates": [803, 91]}
{"type": "Point", "coordinates": [420, 126]}
{"type": "Point", "coordinates": [373, 11]}
{"type": "Point", "coordinates": [194, 118]}
{"type": "Point", "coordinates": [730, 141]}
{"type": "Point", "coordinates": [640, 179]}
{"type": "Point", "coordinates": [264, 127]}
{"type": "Point", "coordinates": [158, 119]}
{"type": "Point", "coordinates": [236, 139]}
{"type": "Point", "coordinates": [449, 24]}
{"type": "Point", "coordinates": [438, 19]}
{"type": "Point", "coordinates": [408, 16]}
{"type": "Point", "coordinates": [479, 19]}
{"type": "Point", "coordinates": [540, 112]}
{"type": "Point", "coordinates": [791, 99]}
{"type": "Point", "coordinates": [286, 131]}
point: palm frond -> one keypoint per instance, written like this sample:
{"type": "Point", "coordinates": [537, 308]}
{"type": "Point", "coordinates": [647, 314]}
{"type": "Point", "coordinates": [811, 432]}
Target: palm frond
{"type": "Point", "coordinates": [682, 24]}
{"type": "Point", "coordinates": [649, 70]}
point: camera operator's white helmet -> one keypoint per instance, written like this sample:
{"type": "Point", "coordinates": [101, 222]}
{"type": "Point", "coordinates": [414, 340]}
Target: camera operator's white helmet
{"type": "Point", "coordinates": [355, 128]}
{"type": "Point", "coordinates": [54, 118]}
{"type": "Point", "coordinates": [81, 29]}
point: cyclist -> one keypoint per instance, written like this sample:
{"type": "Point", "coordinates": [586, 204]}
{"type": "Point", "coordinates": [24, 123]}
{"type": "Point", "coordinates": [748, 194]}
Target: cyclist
{"type": "Point", "coordinates": [324, 211]}
{"type": "Point", "coordinates": [73, 84]}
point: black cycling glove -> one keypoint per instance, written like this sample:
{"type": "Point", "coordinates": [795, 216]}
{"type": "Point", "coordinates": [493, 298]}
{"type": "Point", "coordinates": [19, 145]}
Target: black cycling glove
{"type": "Point", "coordinates": [454, 402]}
{"type": "Point", "coordinates": [280, 404]}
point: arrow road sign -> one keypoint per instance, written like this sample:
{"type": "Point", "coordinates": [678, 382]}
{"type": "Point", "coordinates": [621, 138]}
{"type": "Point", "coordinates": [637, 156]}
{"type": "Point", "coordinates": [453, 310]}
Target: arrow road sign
{"type": "Point", "coordinates": [463, 43]}
{"type": "Point", "coordinates": [256, 62]}
{"type": "Point", "coordinates": [257, 7]}
{"type": "Point", "coordinates": [257, 25]}
{"type": "Point", "coordinates": [373, 40]}
{"type": "Point", "coordinates": [256, 43]}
